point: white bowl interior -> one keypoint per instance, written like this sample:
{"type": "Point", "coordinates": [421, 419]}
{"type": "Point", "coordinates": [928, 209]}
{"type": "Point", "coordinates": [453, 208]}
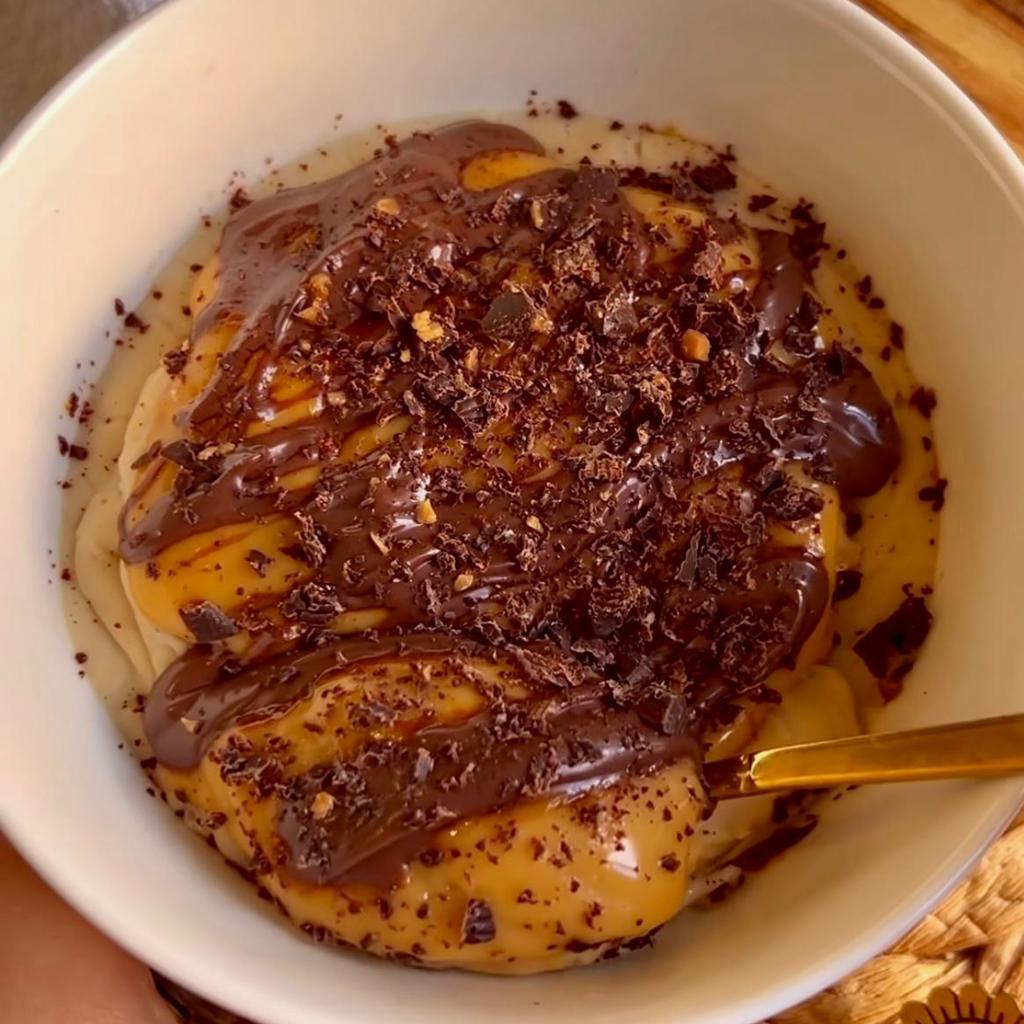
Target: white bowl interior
{"type": "Point", "coordinates": [100, 189]}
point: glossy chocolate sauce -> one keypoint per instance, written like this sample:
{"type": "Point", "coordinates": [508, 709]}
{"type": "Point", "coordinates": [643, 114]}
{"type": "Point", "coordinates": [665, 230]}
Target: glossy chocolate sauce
{"type": "Point", "coordinates": [604, 507]}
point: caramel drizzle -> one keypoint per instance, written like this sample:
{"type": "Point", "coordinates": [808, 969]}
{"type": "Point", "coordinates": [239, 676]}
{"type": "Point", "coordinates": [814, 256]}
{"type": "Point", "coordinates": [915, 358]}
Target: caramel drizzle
{"type": "Point", "coordinates": [601, 551]}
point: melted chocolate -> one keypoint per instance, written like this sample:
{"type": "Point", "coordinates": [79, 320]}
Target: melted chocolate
{"type": "Point", "coordinates": [591, 490]}
{"type": "Point", "coordinates": [387, 802]}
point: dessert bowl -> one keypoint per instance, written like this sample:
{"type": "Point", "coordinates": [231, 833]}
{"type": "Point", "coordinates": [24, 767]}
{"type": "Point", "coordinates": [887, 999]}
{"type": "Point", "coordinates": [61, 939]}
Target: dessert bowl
{"type": "Point", "coordinates": [103, 183]}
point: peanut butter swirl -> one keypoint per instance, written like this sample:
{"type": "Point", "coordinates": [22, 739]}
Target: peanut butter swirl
{"type": "Point", "coordinates": [594, 446]}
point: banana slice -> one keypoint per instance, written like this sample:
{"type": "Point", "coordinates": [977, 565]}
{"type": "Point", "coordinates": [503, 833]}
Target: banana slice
{"type": "Point", "coordinates": [536, 886]}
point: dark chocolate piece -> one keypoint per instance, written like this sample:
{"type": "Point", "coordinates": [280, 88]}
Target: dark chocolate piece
{"type": "Point", "coordinates": [207, 622]}
{"type": "Point", "coordinates": [886, 647]}
{"type": "Point", "coordinates": [924, 401]}
{"type": "Point", "coordinates": [847, 584]}
{"type": "Point", "coordinates": [477, 923]}
{"type": "Point", "coordinates": [759, 202]}
{"type": "Point", "coordinates": [508, 317]}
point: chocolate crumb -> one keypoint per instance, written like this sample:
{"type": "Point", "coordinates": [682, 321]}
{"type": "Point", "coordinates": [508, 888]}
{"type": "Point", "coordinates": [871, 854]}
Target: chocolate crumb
{"type": "Point", "coordinates": [935, 494]}
{"type": "Point", "coordinates": [136, 323]}
{"type": "Point", "coordinates": [73, 451]}
{"type": "Point", "coordinates": [258, 562]}
{"type": "Point", "coordinates": [207, 622]}
{"type": "Point", "coordinates": [567, 110]}
{"type": "Point", "coordinates": [761, 201]}
{"type": "Point", "coordinates": [477, 923]}
{"type": "Point", "coordinates": [716, 177]}
{"type": "Point", "coordinates": [847, 584]}
{"type": "Point", "coordinates": [887, 645]}
{"type": "Point", "coordinates": [924, 401]}
{"type": "Point", "coordinates": [508, 317]}
{"type": "Point", "coordinates": [175, 361]}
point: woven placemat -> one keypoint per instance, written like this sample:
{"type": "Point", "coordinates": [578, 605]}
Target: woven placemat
{"type": "Point", "coordinates": [975, 936]}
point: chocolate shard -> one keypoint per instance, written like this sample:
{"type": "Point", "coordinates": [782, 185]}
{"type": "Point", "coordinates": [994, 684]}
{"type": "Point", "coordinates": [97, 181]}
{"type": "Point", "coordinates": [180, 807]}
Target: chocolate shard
{"type": "Point", "coordinates": [715, 177]}
{"type": "Point", "coordinates": [508, 317]}
{"type": "Point", "coordinates": [887, 645]}
{"type": "Point", "coordinates": [174, 361]}
{"type": "Point", "coordinates": [924, 401]}
{"type": "Point", "coordinates": [761, 201]}
{"type": "Point", "coordinates": [614, 315]}
{"type": "Point", "coordinates": [314, 603]}
{"type": "Point", "coordinates": [847, 584]}
{"type": "Point", "coordinates": [207, 622]}
{"type": "Point", "coordinates": [478, 923]}
{"type": "Point", "coordinates": [258, 562]}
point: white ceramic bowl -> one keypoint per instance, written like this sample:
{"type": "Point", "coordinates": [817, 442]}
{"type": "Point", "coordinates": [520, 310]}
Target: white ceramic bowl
{"type": "Point", "coordinates": [108, 176]}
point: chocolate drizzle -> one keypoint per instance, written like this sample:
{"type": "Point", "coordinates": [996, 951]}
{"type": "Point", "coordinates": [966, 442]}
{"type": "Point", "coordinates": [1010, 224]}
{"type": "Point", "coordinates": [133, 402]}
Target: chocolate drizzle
{"type": "Point", "coordinates": [555, 475]}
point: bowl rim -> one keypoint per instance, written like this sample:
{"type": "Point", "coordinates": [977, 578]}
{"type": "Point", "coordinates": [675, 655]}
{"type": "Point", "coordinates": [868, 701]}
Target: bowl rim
{"type": "Point", "coordinates": [858, 28]}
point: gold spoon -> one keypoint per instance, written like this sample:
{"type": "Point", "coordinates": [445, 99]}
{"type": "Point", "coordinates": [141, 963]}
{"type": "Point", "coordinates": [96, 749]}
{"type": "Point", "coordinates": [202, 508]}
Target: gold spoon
{"type": "Point", "coordinates": [985, 748]}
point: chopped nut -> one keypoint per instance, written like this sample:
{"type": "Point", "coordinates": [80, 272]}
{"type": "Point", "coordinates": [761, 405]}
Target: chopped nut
{"type": "Point", "coordinates": [471, 360]}
{"type": "Point", "coordinates": [225, 448]}
{"type": "Point", "coordinates": [311, 236]}
{"type": "Point", "coordinates": [336, 399]}
{"type": "Point", "coordinates": [426, 326]}
{"type": "Point", "coordinates": [463, 581]}
{"type": "Point", "coordinates": [405, 356]}
{"type": "Point", "coordinates": [319, 287]}
{"type": "Point", "coordinates": [380, 543]}
{"type": "Point", "coordinates": [322, 805]}
{"type": "Point", "coordinates": [537, 213]}
{"type": "Point", "coordinates": [695, 346]}
{"type": "Point", "coordinates": [388, 206]}
{"type": "Point", "coordinates": [191, 725]}
{"type": "Point", "coordinates": [425, 512]}
{"type": "Point", "coordinates": [312, 314]}
{"type": "Point", "coordinates": [541, 323]}
{"type": "Point", "coordinates": [534, 524]}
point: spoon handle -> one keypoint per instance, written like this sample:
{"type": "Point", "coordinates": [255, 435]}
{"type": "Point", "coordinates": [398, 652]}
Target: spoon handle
{"type": "Point", "coordinates": [981, 749]}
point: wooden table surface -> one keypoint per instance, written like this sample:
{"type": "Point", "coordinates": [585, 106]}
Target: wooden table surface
{"type": "Point", "coordinates": [978, 43]}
